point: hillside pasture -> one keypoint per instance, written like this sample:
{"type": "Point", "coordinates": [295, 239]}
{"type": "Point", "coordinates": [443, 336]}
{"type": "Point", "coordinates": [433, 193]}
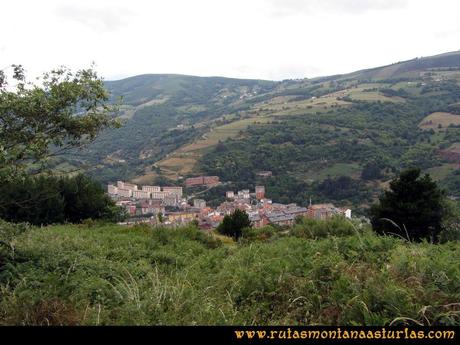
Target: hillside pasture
{"type": "Point", "coordinates": [439, 118]}
{"type": "Point", "coordinates": [183, 161]}
{"type": "Point", "coordinates": [360, 94]}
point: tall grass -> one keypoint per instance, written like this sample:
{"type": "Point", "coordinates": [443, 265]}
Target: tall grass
{"type": "Point", "coordinates": [317, 272]}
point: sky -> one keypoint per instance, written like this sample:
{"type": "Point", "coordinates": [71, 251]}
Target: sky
{"type": "Point", "coordinates": [259, 39]}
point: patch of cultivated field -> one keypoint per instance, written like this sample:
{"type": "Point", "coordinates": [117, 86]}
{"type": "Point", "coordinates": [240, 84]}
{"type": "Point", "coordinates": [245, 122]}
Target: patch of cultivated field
{"type": "Point", "coordinates": [180, 165]}
{"type": "Point", "coordinates": [183, 161]}
{"type": "Point", "coordinates": [360, 94]}
{"type": "Point", "coordinates": [455, 147]}
{"type": "Point", "coordinates": [439, 118]}
{"type": "Point", "coordinates": [338, 169]}
{"type": "Point", "coordinates": [311, 106]}
{"type": "Point", "coordinates": [230, 130]}
{"type": "Point", "coordinates": [128, 111]}
{"type": "Point", "coordinates": [145, 179]}
{"type": "Point", "coordinates": [441, 172]}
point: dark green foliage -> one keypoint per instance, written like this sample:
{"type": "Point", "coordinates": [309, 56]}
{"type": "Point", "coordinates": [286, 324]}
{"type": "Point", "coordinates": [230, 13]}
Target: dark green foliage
{"type": "Point", "coordinates": [233, 225]}
{"type": "Point", "coordinates": [85, 198]}
{"type": "Point", "coordinates": [451, 222]}
{"type": "Point", "coordinates": [340, 188]}
{"type": "Point", "coordinates": [50, 200]}
{"type": "Point", "coordinates": [383, 137]}
{"type": "Point", "coordinates": [414, 204]}
{"type": "Point", "coordinates": [371, 171]}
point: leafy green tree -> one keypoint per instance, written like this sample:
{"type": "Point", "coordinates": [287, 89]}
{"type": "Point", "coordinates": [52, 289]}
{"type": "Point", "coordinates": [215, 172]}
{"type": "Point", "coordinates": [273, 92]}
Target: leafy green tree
{"type": "Point", "coordinates": [233, 225]}
{"type": "Point", "coordinates": [47, 200]}
{"type": "Point", "coordinates": [413, 208]}
{"type": "Point", "coordinates": [63, 110]}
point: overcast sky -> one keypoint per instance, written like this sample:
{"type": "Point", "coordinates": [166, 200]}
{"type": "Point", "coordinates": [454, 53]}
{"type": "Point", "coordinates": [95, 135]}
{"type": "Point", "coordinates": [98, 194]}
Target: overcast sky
{"type": "Point", "coordinates": [264, 39]}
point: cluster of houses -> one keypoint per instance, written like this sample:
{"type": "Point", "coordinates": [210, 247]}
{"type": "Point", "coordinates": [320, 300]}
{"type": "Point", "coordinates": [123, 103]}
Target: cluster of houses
{"type": "Point", "coordinates": [150, 204]}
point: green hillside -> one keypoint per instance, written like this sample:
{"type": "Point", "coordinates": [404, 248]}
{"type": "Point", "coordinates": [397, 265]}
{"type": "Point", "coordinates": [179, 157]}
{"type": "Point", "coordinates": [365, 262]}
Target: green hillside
{"type": "Point", "coordinates": [160, 113]}
{"type": "Point", "coordinates": [324, 273]}
{"type": "Point", "coordinates": [338, 138]}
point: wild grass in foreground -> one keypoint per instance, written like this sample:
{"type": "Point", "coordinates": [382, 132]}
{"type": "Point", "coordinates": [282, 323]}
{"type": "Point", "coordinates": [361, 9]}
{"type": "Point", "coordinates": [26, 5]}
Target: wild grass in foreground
{"type": "Point", "coordinates": [315, 273]}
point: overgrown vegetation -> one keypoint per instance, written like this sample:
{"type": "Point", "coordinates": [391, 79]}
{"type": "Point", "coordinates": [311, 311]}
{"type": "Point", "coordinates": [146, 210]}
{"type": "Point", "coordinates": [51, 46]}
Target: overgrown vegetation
{"type": "Point", "coordinates": [318, 272]}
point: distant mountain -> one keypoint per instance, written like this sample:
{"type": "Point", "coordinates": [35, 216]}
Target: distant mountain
{"type": "Point", "coordinates": [338, 138]}
{"type": "Point", "coordinates": [411, 68]}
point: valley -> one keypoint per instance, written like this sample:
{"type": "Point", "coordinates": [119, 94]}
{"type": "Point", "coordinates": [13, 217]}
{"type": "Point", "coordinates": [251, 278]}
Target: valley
{"type": "Point", "coordinates": [309, 132]}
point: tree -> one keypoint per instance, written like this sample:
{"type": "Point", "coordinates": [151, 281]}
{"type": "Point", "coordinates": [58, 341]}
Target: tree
{"type": "Point", "coordinates": [371, 171]}
{"type": "Point", "coordinates": [413, 207]}
{"type": "Point", "coordinates": [85, 198]}
{"type": "Point", "coordinates": [233, 225]}
{"type": "Point", "coordinates": [63, 110]}
{"type": "Point", "coordinates": [45, 200]}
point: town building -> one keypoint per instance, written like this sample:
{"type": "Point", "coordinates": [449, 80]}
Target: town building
{"type": "Point", "coordinates": [151, 189]}
{"type": "Point", "coordinates": [126, 193]}
{"type": "Point", "coordinates": [182, 216]}
{"type": "Point", "coordinates": [171, 200]}
{"type": "Point", "coordinates": [202, 181]}
{"type": "Point", "coordinates": [325, 211]}
{"type": "Point", "coordinates": [210, 180]}
{"type": "Point", "coordinates": [199, 203]}
{"type": "Point", "coordinates": [173, 190]}
{"type": "Point", "coordinates": [125, 185]}
{"type": "Point", "coordinates": [158, 195]}
{"type": "Point", "coordinates": [264, 173]}
{"type": "Point", "coordinates": [230, 195]}
{"type": "Point", "coordinates": [149, 207]}
{"type": "Point", "coordinates": [260, 192]}
{"type": "Point", "coordinates": [112, 190]}
{"type": "Point", "coordinates": [141, 194]}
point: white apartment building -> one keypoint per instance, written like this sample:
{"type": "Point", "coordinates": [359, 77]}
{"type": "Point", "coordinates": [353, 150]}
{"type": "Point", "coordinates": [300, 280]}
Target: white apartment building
{"type": "Point", "coordinates": [173, 190]}
{"type": "Point", "coordinates": [199, 203]}
{"type": "Point", "coordinates": [158, 195]}
{"type": "Point", "coordinates": [127, 193]}
{"type": "Point", "coordinates": [124, 185]}
{"type": "Point", "coordinates": [141, 194]}
{"type": "Point", "coordinates": [151, 189]}
{"type": "Point", "coordinates": [112, 190]}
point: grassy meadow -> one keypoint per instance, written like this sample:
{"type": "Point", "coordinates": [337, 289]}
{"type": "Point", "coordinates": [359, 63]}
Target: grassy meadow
{"type": "Point", "coordinates": [317, 272]}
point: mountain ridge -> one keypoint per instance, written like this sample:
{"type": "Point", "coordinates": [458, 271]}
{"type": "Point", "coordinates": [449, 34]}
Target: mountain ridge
{"type": "Point", "coordinates": [174, 124]}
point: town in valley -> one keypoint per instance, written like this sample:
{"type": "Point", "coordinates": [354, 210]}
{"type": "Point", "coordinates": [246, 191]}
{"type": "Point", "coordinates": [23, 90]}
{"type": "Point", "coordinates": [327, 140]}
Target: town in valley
{"type": "Point", "coordinates": [170, 206]}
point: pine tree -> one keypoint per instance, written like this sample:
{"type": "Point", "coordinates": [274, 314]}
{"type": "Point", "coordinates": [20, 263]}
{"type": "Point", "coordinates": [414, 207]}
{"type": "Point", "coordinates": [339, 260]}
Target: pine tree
{"type": "Point", "coordinates": [413, 207]}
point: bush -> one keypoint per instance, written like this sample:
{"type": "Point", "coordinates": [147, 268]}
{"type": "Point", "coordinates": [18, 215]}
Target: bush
{"type": "Point", "coordinates": [313, 228]}
{"type": "Point", "coordinates": [258, 234]}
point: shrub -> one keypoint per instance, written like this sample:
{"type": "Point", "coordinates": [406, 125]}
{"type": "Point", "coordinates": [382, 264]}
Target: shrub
{"type": "Point", "coordinates": [313, 228]}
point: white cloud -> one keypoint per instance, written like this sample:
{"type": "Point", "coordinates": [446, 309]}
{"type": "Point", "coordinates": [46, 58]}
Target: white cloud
{"type": "Point", "coordinates": [99, 18]}
{"type": "Point", "coordinates": [267, 39]}
{"type": "Point", "coordinates": [312, 7]}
